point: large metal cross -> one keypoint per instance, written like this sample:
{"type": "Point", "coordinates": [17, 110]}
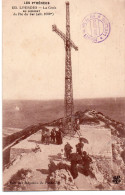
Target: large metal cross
{"type": "Point", "coordinates": [68, 43]}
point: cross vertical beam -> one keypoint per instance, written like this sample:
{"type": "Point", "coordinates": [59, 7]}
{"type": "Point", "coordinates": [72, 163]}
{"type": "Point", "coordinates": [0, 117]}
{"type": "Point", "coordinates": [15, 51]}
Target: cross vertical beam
{"type": "Point", "coordinates": [68, 98]}
{"type": "Point", "coordinates": [69, 106]}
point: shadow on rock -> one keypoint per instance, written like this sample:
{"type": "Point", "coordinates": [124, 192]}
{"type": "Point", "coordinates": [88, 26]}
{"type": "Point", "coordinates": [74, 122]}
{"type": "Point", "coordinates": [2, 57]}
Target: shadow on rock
{"type": "Point", "coordinates": [37, 142]}
{"type": "Point", "coordinates": [43, 171]}
{"type": "Point", "coordinates": [86, 172]}
{"type": "Point", "coordinates": [55, 157]}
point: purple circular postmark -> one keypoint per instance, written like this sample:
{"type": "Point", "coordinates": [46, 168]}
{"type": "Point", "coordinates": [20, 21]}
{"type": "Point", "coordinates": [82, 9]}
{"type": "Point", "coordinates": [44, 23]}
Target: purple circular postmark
{"type": "Point", "coordinates": [96, 27]}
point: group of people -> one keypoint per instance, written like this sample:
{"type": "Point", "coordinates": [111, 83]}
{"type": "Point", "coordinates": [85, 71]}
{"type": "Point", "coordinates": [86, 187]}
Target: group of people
{"type": "Point", "coordinates": [54, 136]}
{"type": "Point", "coordinates": [80, 157]}
{"type": "Point", "coordinates": [79, 148]}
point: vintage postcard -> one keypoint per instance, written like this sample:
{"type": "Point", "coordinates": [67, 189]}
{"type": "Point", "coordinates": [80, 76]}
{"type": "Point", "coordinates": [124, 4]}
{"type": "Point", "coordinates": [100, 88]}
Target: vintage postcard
{"type": "Point", "coordinates": [63, 95]}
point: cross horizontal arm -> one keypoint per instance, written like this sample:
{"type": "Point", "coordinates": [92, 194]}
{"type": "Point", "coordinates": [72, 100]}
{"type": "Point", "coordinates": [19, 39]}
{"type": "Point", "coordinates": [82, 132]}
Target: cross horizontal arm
{"type": "Point", "coordinates": [63, 36]}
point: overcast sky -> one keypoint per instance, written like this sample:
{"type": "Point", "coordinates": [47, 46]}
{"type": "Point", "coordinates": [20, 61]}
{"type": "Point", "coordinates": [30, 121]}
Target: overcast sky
{"type": "Point", "coordinates": [34, 56]}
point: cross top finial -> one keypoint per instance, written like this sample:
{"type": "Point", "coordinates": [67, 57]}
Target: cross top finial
{"type": "Point", "coordinates": [67, 2]}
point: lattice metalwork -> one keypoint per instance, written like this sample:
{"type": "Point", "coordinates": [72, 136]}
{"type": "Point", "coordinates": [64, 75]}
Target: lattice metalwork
{"type": "Point", "coordinates": [68, 43]}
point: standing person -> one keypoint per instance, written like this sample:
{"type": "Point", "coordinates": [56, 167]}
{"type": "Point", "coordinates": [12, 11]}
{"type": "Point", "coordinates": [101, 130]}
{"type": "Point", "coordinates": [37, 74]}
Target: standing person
{"type": "Point", "coordinates": [68, 150]}
{"type": "Point", "coordinates": [42, 136]}
{"type": "Point", "coordinates": [58, 137]}
{"type": "Point", "coordinates": [74, 169]}
{"type": "Point", "coordinates": [75, 158]}
{"type": "Point", "coordinates": [79, 147]}
{"type": "Point", "coordinates": [86, 161]}
{"type": "Point", "coordinates": [52, 167]}
{"type": "Point", "coordinates": [47, 137]}
{"type": "Point", "coordinates": [53, 135]}
{"type": "Point", "coordinates": [77, 127]}
{"type": "Point", "coordinates": [61, 128]}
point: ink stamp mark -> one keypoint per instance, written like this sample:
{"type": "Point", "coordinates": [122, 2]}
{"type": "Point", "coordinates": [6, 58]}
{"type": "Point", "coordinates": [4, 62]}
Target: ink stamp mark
{"type": "Point", "coordinates": [116, 179]}
{"type": "Point", "coordinates": [96, 27]}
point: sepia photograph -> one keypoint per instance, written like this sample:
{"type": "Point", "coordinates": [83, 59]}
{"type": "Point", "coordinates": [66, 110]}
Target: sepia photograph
{"type": "Point", "coordinates": [63, 75]}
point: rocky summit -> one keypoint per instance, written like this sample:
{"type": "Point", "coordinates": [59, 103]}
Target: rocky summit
{"type": "Point", "coordinates": [28, 169]}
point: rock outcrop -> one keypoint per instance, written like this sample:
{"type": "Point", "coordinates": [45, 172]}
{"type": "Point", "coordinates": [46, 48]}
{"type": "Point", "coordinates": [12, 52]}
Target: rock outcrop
{"type": "Point", "coordinates": [18, 181]}
{"type": "Point", "coordinates": [93, 117]}
{"type": "Point", "coordinates": [61, 180]}
{"type": "Point", "coordinates": [107, 172]}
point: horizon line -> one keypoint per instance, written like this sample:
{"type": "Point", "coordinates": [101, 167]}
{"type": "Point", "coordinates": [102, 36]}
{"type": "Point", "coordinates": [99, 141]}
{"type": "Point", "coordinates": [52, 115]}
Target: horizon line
{"type": "Point", "coordinates": [112, 97]}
